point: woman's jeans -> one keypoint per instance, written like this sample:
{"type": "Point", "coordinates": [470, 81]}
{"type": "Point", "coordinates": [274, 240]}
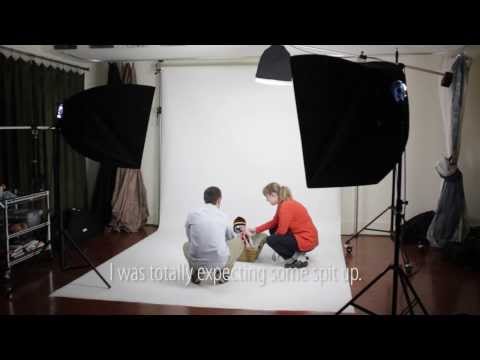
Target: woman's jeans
{"type": "Point", "coordinates": [283, 245]}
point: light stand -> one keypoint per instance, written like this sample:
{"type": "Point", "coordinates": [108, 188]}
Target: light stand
{"type": "Point", "coordinates": [391, 208]}
{"type": "Point", "coordinates": [398, 272]}
{"type": "Point", "coordinates": [37, 184]}
{"type": "Point", "coordinates": [61, 232]}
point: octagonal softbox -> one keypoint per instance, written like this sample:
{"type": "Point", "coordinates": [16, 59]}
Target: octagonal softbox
{"type": "Point", "coordinates": [353, 118]}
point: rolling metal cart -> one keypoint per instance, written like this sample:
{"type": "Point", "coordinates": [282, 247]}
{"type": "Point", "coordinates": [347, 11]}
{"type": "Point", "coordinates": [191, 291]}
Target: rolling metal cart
{"type": "Point", "coordinates": [25, 231]}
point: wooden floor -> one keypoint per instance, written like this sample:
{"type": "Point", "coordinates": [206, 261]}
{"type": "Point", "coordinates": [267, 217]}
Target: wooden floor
{"type": "Point", "coordinates": [443, 287]}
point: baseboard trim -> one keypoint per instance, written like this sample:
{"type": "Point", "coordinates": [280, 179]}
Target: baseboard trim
{"type": "Point", "coordinates": [369, 235]}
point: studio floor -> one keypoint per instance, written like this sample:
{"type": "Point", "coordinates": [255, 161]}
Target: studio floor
{"type": "Point", "coordinates": [444, 288]}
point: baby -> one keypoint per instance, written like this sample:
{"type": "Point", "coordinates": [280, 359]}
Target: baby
{"type": "Point", "coordinates": [239, 226]}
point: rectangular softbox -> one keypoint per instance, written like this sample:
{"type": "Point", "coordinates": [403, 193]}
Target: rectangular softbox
{"type": "Point", "coordinates": [353, 118]}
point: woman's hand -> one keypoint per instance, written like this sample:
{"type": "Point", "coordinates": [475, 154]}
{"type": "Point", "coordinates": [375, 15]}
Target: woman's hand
{"type": "Point", "coordinates": [250, 231]}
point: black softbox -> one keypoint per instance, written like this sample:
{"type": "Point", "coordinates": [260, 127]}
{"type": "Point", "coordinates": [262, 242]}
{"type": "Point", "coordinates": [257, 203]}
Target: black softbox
{"type": "Point", "coordinates": [353, 117]}
{"type": "Point", "coordinates": [109, 123]}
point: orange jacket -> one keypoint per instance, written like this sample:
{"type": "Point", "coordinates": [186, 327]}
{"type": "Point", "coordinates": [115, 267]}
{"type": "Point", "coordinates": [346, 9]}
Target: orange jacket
{"type": "Point", "coordinates": [292, 216]}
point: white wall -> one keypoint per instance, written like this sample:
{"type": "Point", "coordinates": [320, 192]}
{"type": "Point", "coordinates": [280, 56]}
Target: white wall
{"type": "Point", "coordinates": [425, 147]}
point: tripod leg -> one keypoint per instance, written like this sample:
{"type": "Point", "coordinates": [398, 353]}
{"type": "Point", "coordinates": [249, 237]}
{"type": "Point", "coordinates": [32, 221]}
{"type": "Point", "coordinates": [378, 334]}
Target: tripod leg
{"type": "Point", "coordinates": [65, 255]}
{"type": "Point", "coordinates": [412, 289]}
{"type": "Point", "coordinates": [82, 254]}
{"type": "Point", "coordinates": [58, 209]}
{"type": "Point", "coordinates": [366, 226]}
{"type": "Point", "coordinates": [369, 285]}
{"type": "Point", "coordinates": [394, 291]}
{"type": "Point", "coordinates": [65, 267]}
{"type": "Point", "coordinates": [407, 296]}
{"type": "Point", "coordinates": [62, 244]}
{"type": "Point", "coordinates": [406, 263]}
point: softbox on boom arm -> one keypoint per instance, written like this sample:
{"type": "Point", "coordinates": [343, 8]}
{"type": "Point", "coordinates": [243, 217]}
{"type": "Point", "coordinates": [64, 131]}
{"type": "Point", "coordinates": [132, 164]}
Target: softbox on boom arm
{"type": "Point", "coordinates": [353, 117]}
{"type": "Point", "coordinates": [109, 123]}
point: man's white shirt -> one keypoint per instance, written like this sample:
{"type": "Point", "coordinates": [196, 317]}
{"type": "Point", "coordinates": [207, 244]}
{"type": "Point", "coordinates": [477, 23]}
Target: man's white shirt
{"type": "Point", "coordinates": [208, 231]}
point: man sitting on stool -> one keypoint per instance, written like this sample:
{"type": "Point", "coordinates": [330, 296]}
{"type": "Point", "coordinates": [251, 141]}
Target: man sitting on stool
{"type": "Point", "coordinates": [212, 245]}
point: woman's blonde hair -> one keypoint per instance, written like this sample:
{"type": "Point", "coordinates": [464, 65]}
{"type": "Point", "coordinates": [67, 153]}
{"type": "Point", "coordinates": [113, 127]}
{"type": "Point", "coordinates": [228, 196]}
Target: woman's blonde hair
{"type": "Point", "coordinates": [283, 192]}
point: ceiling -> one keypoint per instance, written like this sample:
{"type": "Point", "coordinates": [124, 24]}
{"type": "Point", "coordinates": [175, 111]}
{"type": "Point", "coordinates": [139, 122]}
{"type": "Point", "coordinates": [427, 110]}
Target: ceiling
{"type": "Point", "coordinates": [167, 52]}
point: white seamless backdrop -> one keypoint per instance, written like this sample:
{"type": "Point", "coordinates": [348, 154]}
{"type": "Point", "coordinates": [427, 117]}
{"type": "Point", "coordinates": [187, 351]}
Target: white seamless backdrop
{"type": "Point", "coordinates": [222, 128]}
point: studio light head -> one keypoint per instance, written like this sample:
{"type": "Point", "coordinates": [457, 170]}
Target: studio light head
{"type": "Point", "coordinates": [59, 112]}
{"type": "Point", "coordinates": [399, 91]}
{"type": "Point", "coordinates": [353, 119]}
{"type": "Point", "coordinates": [274, 67]}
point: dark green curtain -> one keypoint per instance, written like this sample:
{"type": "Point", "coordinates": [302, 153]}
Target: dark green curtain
{"type": "Point", "coordinates": [29, 94]}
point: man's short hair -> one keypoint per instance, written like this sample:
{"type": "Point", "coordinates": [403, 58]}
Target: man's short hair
{"type": "Point", "coordinates": [211, 195]}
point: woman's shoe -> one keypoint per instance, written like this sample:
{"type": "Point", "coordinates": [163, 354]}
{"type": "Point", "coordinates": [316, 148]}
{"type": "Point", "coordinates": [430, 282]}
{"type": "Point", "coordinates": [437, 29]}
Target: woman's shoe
{"type": "Point", "coordinates": [289, 262]}
{"type": "Point", "coordinates": [300, 264]}
{"type": "Point", "coordinates": [296, 264]}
